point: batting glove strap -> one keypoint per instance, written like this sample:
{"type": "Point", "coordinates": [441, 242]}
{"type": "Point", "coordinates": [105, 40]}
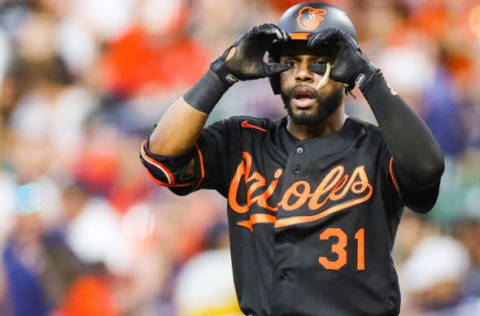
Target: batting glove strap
{"type": "Point", "coordinates": [224, 74]}
{"type": "Point", "coordinates": [364, 79]}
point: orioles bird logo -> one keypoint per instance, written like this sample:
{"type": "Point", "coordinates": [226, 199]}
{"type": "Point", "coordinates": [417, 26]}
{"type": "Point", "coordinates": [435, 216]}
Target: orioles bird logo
{"type": "Point", "coordinates": [310, 18]}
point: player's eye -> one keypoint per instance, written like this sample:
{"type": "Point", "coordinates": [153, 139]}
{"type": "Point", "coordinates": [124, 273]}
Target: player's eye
{"type": "Point", "coordinates": [291, 62]}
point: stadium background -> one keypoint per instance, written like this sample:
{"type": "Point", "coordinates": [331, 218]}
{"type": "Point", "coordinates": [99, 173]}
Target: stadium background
{"type": "Point", "coordinates": [83, 231]}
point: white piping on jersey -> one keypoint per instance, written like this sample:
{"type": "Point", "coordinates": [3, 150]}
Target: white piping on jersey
{"type": "Point", "coordinates": [152, 162]}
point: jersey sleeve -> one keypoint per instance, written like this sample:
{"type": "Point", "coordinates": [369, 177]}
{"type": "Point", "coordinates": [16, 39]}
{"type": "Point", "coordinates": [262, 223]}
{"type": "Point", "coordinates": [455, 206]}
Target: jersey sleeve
{"type": "Point", "coordinates": [418, 200]}
{"type": "Point", "coordinates": [211, 155]}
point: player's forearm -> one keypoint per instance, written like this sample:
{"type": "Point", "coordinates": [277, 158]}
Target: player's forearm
{"type": "Point", "coordinates": [420, 161]}
{"type": "Point", "coordinates": [179, 128]}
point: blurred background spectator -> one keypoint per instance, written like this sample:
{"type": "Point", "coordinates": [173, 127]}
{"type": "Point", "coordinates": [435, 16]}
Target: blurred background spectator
{"type": "Point", "coordinates": [83, 231]}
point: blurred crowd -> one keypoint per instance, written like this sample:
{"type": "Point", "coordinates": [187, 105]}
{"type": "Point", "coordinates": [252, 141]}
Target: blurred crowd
{"type": "Point", "coordinates": [84, 231]}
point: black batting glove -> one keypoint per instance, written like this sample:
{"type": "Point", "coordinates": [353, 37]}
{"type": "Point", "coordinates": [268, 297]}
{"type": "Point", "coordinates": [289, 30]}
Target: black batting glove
{"type": "Point", "coordinates": [244, 60]}
{"type": "Point", "coordinates": [351, 66]}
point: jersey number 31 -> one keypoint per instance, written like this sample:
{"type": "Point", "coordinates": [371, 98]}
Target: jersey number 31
{"type": "Point", "coordinates": [339, 248]}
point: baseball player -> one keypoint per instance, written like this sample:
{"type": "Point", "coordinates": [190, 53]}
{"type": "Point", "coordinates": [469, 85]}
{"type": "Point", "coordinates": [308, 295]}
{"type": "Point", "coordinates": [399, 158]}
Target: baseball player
{"type": "Point", "coordinates": [314, 198]}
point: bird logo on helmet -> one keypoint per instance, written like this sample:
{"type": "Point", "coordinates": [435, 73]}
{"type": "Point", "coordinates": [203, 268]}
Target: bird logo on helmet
{"type": "Point", "coordinates": [309, 18]}
{"type": "Point", "coordinates": [305, 18]}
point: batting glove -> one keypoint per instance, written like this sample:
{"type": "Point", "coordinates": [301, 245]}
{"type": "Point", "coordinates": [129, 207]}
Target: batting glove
{"type": "Point", "coordinates": [244, 60]}
{"type": "Point", "coordinates": [351, 66]}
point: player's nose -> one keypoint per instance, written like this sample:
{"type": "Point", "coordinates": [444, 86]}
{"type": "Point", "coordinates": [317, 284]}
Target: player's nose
{"type": "Point", "coordinates": [303, 74]}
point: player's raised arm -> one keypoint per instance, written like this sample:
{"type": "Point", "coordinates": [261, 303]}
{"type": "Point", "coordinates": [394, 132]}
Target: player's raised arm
{"type": "Point", "coordinates": [418, 159]}
{"type": "Point", "coordinates": [242, 61]}
{"type": "Point", "coordinates": [173, 155]}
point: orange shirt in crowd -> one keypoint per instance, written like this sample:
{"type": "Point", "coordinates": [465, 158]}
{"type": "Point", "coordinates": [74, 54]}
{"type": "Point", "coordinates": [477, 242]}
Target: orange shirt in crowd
{"type": "Point", "coordinates": [138, 59]}
{"type": "Point", "coordinates": [89, 296]}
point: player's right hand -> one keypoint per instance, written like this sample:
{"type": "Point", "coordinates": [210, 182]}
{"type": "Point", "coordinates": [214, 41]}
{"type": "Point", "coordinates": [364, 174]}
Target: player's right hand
{"type": "Point", "coordinates": [244, 60]}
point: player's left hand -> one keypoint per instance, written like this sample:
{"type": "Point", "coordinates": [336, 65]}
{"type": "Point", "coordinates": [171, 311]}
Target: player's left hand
{"type": "Point", "coordinates": [351, 66]}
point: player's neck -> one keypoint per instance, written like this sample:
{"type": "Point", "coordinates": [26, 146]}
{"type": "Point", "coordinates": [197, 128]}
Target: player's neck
{"type": "Point", "coordinates": [329, 126]}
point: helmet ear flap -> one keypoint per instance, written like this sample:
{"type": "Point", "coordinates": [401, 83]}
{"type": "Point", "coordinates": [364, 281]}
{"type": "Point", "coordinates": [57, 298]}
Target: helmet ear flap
{"type": "Point", "coordinates": [275, 83]}
{"type": "Point", "coordinates": [274, 79]}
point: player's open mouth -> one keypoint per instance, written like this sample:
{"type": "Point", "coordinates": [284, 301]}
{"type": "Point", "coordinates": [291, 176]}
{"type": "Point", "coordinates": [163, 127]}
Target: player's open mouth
{"type": "Point", "coordinates": [303, 98]}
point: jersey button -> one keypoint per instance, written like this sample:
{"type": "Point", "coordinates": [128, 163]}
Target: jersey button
{"type": "Point", "coordinates": [299, 150]}
{"type": "Point", "coordinates": [296, 169]}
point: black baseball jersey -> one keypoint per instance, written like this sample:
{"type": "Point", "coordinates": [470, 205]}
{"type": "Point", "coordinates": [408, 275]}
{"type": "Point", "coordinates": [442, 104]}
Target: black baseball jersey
{"type": "Point", "coordinates": [312, 223]}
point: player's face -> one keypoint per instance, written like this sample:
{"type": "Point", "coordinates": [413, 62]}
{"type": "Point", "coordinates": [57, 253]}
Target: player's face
{"type": "Point", "coordinates": [306, 103]}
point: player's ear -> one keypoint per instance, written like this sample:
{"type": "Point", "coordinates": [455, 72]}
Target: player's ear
{"type": "Point", "coordinates": [348, 91]}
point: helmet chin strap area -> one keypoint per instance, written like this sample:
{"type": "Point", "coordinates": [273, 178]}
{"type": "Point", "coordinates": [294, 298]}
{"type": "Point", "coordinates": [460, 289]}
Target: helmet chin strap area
{"type": "Point", "coordinates": [324, 81]}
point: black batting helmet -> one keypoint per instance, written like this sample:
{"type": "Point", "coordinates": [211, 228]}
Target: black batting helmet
{"type": "Point", "coordinates": [306, 18]}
